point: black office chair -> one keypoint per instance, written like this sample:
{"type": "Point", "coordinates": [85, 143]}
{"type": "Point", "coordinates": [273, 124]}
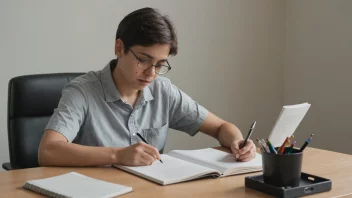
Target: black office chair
{"type": "Point", "coordinates": [31, 102]}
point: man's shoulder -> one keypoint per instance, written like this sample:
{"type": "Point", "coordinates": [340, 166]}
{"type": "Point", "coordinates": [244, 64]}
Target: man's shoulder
{"type": "Point", "coordinates": [86, 83]}
{"type": "Point", "coordinates": [160, 83]}
{"type": "Point", "coordinates": [87, 78]}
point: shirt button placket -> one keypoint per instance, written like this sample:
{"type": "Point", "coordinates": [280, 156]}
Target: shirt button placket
{"type": "Point", "coordinates": [132, 128]}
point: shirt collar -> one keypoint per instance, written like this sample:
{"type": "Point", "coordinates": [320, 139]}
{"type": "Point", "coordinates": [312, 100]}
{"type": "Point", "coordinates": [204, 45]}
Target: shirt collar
{"type": "Point", "coordinates": [109, 88]}
{"type": "Point", "coordinates": [147, 94]}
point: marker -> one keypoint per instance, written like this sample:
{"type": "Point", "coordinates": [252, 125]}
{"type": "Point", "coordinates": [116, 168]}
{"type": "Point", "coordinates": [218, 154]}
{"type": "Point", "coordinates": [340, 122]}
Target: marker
{"type": "Point", "coordinates": [263, 146]}
{"type": "Point", "coordinates": [272, 149]}
{"type": "Point", "coordinates": [306, 143]}
{"type": "Point", "coordinates": [291, 148]}
{"type": "Point", "coordinates": [290, 140]}
{"type": "Point", "coordinates": [282, 147]}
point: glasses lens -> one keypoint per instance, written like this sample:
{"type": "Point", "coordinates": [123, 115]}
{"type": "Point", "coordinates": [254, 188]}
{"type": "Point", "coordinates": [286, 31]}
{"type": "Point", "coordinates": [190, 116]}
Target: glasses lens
{"type": "Point", "coordinates": [162, 69]}
{"type": "Point", "coordinates": [143, 65]}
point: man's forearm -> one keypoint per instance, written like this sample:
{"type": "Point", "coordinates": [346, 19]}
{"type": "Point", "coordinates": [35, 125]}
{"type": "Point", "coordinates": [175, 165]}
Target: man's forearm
{"type": "Point", "coordinates": [228, 133]}
{"type": "Point", "coordinates": [69, 154]}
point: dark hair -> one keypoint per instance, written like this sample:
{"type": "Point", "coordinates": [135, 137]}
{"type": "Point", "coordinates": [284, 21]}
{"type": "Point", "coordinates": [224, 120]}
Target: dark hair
{"type": "Point", "coordinates": [147, 27]}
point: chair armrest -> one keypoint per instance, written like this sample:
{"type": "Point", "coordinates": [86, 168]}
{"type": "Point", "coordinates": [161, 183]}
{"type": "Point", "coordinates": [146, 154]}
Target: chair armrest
{"type": "Point", "coordinates": [7, 166]}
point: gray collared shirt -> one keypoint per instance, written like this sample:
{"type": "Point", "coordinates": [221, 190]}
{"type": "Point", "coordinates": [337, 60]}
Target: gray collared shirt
{"type": "Point", "coordinates": [91, 112]}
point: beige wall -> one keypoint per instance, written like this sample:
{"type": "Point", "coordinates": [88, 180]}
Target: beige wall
{"type": "Point", "coordinates": [230, 60]}
{"type": "Point", "coordinates": [318, 54]}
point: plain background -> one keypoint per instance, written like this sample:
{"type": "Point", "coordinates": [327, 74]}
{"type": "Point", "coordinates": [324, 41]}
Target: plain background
{"type": "Point", "coordinates": [241, 59]}
{"type": "Point", "coordinates": [318, 68]}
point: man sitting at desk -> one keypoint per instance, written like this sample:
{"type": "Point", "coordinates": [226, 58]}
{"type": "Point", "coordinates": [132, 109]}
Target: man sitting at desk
{"type": "Point", "coordinates": [100, 113]}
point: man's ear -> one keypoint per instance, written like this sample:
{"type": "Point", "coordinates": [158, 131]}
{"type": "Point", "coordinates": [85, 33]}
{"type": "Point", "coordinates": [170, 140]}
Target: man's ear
{"type": "Point", "coordinates": [119, 48]}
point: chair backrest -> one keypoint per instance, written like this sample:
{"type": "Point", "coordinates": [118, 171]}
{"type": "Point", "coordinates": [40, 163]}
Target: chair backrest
{"type": "Point", "coordinates": [31, 102]}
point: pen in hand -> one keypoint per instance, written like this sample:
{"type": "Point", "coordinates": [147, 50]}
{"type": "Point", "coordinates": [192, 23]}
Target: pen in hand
{"type": "Point", "coordinates": [249, 134]}
{"type": "Point", "coordinates": [140, 136]}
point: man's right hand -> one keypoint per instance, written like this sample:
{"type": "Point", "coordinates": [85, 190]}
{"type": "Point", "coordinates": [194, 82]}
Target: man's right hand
{"type": "Point", "coordinates": [139, 154]}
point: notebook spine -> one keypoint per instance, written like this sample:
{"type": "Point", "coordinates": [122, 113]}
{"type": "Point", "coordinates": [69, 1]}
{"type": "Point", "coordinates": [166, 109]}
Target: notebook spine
{"type": "Point", "coordinates": [43, 191]}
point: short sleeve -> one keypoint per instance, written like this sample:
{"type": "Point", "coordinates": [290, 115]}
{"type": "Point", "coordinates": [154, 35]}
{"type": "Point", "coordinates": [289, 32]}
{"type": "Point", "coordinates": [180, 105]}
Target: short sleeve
{"type": "Point", "coordinates": [70, 113]}
{"type": "Point", "coordinates": [185, 114]}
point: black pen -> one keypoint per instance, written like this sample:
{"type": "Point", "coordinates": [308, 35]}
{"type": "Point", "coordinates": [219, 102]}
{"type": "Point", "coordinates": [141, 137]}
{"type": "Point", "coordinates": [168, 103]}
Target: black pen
{"type": "Point", "coordinates": [140, 136]}
{"type": "Point", "coordinates": [249, 134]}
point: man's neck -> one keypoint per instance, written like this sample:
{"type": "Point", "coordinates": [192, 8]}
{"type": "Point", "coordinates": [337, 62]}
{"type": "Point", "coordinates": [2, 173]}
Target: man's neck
{"type": "Point", "coordinates": [127, 93]}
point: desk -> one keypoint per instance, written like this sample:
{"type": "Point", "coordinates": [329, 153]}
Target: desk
{"type": "Point", "coordinates": [332, 165]}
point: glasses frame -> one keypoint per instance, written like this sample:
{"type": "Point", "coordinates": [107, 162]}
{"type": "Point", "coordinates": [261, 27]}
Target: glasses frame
{"type": "Point", "coordinates": [150, 64]}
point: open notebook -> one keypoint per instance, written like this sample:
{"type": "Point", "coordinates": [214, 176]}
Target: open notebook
{"type": "Point", "coordinates": [76, 185]}
{"type": "Point", "coordinates": [185, 165]}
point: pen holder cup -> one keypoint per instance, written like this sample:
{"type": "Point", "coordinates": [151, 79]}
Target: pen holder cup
{"type": "Point", "coordinates": [282, 170]}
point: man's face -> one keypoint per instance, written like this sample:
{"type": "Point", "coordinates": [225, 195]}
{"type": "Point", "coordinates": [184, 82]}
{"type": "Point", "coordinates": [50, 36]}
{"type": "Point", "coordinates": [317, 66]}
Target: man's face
{"type": "Point", "coordinates": [129, 65]}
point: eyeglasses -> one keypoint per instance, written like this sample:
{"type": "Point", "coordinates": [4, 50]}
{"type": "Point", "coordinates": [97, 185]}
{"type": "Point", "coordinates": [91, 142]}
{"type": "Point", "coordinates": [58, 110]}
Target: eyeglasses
{"type": "Point", "coordinates": [147, 64]}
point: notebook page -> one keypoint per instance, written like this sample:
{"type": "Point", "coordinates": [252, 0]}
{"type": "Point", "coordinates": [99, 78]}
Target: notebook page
{"type": "Point", "coordinates": [173, 170]}
{"type": "Point", "coordinates": [76, 185]}
{"type": "Point", "coordinates": [219, 160]}
{"type": "Point", "coordinates": [287, 122]}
